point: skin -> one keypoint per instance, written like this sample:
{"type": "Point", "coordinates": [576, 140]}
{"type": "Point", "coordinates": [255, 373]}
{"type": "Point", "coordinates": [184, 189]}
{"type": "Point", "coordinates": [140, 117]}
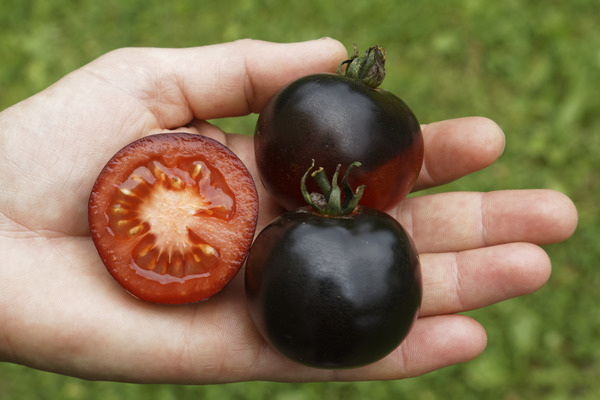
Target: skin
{"type": "Point", "coordinates": [61, 311]}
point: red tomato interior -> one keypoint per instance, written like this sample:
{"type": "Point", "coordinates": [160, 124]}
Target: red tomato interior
{"type": "Point", "coordinates": [173, 217]}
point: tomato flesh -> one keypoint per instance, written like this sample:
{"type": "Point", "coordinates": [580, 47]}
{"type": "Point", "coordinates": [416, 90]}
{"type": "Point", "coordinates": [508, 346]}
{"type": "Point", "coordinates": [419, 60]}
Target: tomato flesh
{"type": "Point", "coordinates": [173, 216]}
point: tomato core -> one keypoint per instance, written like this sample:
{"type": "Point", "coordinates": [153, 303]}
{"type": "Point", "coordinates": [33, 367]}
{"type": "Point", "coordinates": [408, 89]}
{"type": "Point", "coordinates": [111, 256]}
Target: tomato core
{"type": "Point", "coordinates": [158, 206]}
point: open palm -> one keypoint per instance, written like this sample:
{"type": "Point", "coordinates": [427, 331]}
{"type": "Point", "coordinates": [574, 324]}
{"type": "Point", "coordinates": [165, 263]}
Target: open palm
{"type": "Point", "coordinates": [61, 311]}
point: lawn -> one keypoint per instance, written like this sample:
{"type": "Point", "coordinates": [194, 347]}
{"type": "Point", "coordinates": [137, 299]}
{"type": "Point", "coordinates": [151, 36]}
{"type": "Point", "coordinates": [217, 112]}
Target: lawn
{"type": "Point", "coordinates": [533, 67]}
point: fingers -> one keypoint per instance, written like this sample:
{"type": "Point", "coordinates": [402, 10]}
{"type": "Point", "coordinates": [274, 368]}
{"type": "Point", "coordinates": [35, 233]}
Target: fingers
{"type": "Point", "coordinates": [455, 148]}
{"type": "Point", "coordinates": [463, 281]}
{"type": "Point", "coordinates": [459, 220]}
{"type": "Point", "coordinates": [216, 81]}
{"type": "Point", "coordinates": [433, 343]}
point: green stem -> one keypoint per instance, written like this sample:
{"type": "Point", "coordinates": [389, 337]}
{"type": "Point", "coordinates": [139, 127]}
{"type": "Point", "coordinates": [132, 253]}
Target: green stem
{"type": "Point", "coordinates": [329, 202]}
{"type": "Point", "coordinates": [368, 69]}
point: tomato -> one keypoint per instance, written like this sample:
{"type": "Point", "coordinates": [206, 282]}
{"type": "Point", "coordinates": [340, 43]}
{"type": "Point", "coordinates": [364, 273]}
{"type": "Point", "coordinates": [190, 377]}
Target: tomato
{"type": "Point", "coordinates": [338, 119]}
{"type": "Point", "coordinates": [333, 291]}
{"type": "Point", "coordinates": [173, 216]}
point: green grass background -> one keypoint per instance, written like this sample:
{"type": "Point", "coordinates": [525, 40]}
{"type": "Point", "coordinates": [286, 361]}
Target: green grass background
{"type": "Point", "coordinates": [532, 66]}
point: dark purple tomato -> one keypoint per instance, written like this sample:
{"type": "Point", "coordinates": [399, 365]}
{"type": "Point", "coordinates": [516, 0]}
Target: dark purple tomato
{"type": "Point", "coordinates": [338, 120]}
{"type": "Point", "coordinates": [334, 292]}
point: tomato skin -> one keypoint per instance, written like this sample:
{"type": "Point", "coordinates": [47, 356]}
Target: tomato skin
{"type": "Point", "coordinates": [227, 234]}
{"type": "Point", "coordinates": [337, 120]}
{"type": "Point", "coordinates": [333, 292]}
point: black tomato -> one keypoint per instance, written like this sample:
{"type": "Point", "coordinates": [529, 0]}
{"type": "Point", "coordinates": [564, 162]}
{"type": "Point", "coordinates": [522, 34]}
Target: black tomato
{"type": "Point", "coordinates": [333, 291]}
{"type": "Point", "coordinates": [337, 119]}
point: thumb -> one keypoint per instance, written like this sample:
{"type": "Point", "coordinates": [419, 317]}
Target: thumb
{"type": "Point", "coordinates": [223, 80]}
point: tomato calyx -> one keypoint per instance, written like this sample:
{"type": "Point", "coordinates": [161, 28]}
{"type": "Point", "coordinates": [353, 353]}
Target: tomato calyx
{"type": "Point", "coordinates": [333, 201]}
{"type": "Point", "coordinates": [368, 69]}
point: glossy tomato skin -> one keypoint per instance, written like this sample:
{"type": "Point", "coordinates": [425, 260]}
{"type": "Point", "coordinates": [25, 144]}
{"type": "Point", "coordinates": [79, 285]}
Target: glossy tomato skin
{"type": "Point", "coordinates": [173, 216]}
{"type": "Point", "coordinates": [334, 292]}
{"type": "Point", "coordinates": [337, 120]}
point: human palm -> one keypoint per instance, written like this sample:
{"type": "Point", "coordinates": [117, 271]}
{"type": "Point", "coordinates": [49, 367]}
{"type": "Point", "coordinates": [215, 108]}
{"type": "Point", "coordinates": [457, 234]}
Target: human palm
{"type": "Point", "coordinates": [61, 311]}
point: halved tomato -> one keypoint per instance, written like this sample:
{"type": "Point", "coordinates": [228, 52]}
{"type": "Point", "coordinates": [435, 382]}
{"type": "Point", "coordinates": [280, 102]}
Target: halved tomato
{"type": "Point", "coordinates": [173, 216]}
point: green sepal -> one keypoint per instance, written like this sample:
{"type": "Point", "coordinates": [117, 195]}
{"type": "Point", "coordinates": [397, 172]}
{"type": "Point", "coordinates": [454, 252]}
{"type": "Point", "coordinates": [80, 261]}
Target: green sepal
{"type": "Point", "coordinates": [329, 202]}
{"type": "Point", "coordinates": [368, 69]}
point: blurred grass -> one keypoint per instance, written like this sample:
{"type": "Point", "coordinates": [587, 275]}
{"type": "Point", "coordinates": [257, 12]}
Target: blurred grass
{"type": "Point", "coordinates": [533, 67]}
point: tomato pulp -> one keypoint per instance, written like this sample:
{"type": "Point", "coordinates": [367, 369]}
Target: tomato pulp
{"type": "Point", "coordinates": [173, 216]}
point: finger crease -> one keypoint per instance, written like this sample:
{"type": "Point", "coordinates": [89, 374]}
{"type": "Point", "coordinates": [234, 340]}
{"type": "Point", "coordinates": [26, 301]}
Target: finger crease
{"type": "Point", "coordinates": [249, 87]}
{"type": "Point", "coordinates": [458, 281]}
{"type": "Point", "coordinates": [482, 221]}
{"type": "Point", "coordinates": [406, 218]}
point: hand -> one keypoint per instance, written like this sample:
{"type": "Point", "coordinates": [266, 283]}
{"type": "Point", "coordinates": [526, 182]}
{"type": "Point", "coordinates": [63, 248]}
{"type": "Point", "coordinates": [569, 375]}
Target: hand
{"type": "Point", "coordinates": [61, 311]}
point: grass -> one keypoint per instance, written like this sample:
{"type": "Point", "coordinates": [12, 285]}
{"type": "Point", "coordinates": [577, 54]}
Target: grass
{"type": "Point", "coordinates": [534, 67]}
